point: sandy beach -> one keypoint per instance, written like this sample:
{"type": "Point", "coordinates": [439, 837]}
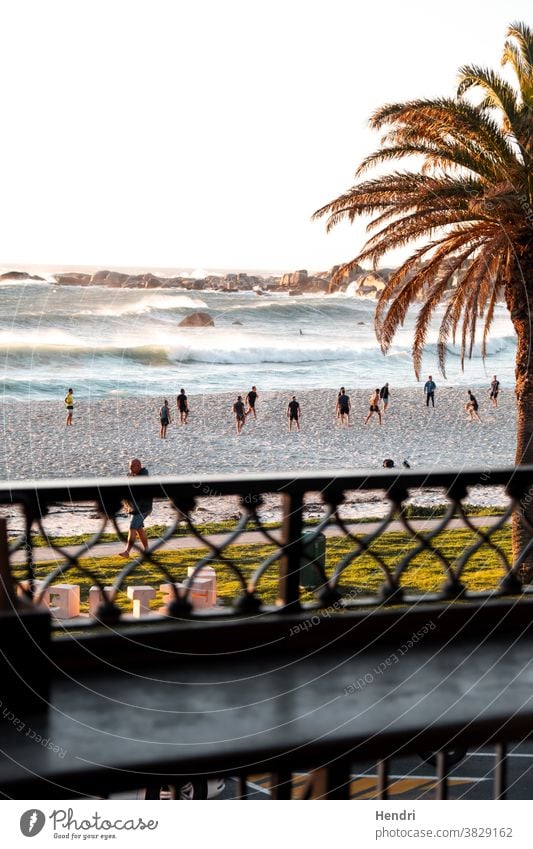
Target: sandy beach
{"type": "Point", "coordinates": [107, 433]}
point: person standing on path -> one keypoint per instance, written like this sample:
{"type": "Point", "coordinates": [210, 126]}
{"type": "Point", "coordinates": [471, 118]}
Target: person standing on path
{"type": "Point", "coordinates": [494, 391]}
{"type": "Point", "coordinates": [374, 406]}
{"type": "Point", "coordinates": [138, 508]}
{"type": "Point", "coordinates": [69, 404]}
{"type": "Point", "coordinates": [293, 413]}
{"type": "Point", "coordinates": [429, 389]}
{"type": "Point", "coordinates": [239, 413]}
{"type": "Point", "coordinates": [183, 406]}
{"type": "Point", "coordinates": [164, 418]}
{"type": "Point", "coordinates": [251, 398]}
{"type": "Point", "coordinates": [384, 396]}
{"type": "Point", "coordinates": [343, 407]}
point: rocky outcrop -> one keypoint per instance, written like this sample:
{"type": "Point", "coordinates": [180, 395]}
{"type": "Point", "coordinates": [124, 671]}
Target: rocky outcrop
{"type": "Point", "coordinates": [300, 282]}
{"type": "Point", "coordinates": [20, 275]}
{"type": "Point", "coordinates": [197, 319]}
{"type": "Point", "coordinates": [340, 280]}
{"type": "Point", "coordinates": [73, 278]}
{"type": "Point", "coordinates": [370, 285]}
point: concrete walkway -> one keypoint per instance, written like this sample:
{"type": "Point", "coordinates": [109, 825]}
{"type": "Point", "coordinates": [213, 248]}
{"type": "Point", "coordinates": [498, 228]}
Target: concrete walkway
{"type": "Point", "coordinates": [111, 549]}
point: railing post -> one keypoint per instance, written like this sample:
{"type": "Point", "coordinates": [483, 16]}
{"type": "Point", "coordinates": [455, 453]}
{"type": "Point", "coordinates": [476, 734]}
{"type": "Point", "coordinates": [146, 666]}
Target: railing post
{"type": "Point", "coordinates": [291, 537]}
{"type": "Point", "coordinates": [24, 646]}
{"type": "Point", "coordinates": [8, 597]}
{"type": "Point", "coordinates": [332, 782]}
{"type": "Point", "coordinates": [383, 779]}
{"type": "Point", "coordinates": [442, 775]}
{"type": "Point", "coordinates": [500, 772]}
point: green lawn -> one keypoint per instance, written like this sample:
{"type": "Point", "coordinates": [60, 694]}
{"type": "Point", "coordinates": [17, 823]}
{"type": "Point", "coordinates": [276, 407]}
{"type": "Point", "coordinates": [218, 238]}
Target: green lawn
{"type": "Point", "coordinates": [411, 511]}
{"type": "Point", "coordinates": [363, 576]}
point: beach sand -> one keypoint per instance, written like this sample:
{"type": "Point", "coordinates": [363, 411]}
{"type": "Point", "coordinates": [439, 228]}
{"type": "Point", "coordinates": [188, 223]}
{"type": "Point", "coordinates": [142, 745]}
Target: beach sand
{"type": "Point", "coordinates": [107, 433]}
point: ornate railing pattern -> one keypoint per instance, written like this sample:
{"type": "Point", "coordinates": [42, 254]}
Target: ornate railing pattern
{"type": "Point", "coordinates": [286, 545]}
{"type": "Point", "coordinates": [258, 620]}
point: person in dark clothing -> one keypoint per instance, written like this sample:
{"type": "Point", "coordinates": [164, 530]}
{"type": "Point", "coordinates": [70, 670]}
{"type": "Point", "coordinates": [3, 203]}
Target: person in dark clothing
{"type": "Point", "coordinates": [251, 398]}
{"type": "Point", "coordinates": [138, 508]}
{"type": "Point", "coordinates": [384, 396]}
{"type": "Point", "coordinates": [429, 389]}
{"type": "Point", "coordinates": [472, 407]}
{"type": "Point", "coordinates": [494, 391]}
{"type": "Point", "coordinates": [183, 406]}
{"type": "Point", "coordinates": [164, 418]}
{"type": "Point", "coordinates": [239, 413]}
{"type": "Point", "coordinates": [374, 407]}
{"type": "Point", "coordinates": [343, 407]}
{"type": "Point", "coordinates": [293, 413]}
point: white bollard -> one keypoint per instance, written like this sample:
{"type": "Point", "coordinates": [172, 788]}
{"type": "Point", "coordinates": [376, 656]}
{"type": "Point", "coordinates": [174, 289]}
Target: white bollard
{"type": "Point", "coordinates": [200, 592]}
{"type": "Point", "coordinates": [199, 596]}
{"type": "Point", "coordinates": [64, 600]}
{"type": "Point", "coordinates": [167, 593]}
{"type": "Point", "coordinates": [96, 598]}
{"type": "Point", "coordinates": [207, 572]}
{"type": "Point", "coordinates": [141, 597]}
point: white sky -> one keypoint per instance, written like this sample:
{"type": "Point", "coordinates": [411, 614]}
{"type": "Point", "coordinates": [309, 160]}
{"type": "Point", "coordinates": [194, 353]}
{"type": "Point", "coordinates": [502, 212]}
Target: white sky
{"type": "Point", "coordinates": [204, 133]}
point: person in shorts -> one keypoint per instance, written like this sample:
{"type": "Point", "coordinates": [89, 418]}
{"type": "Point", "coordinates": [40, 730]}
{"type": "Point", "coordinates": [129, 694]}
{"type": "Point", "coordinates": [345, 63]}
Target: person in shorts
{"type": "Point", "coordinates": [138, 507]}
{"type": "Point", "coordinates": [239, 413]}
{"type": "Point", "coordinates": [374, 406]}
{"type": "Point", "coordinates": [343, 407]}
{"type": "Point", "coordinates": [293, 413]}
{"type": "Point", "coordinates": [251, 398]}
{"type": "Point", "coordinates": [164, 418]}
{"type": "Point", "coordinates": [183, 406]}
{"type": "Point", "coordinates": [494, 391]}
{"type": "Point", "coordinates": [69, 404]}
{"type": "Point", "coordinates": [472, 407]}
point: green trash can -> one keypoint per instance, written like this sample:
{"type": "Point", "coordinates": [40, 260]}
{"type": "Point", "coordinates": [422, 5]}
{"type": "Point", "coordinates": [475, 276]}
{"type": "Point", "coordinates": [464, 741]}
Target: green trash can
{"type": "Point", "coordinates": [313, 560]}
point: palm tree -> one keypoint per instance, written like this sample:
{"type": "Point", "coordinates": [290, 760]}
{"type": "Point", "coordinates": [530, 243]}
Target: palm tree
{"type": "Point", "coordinates": [467, 212]}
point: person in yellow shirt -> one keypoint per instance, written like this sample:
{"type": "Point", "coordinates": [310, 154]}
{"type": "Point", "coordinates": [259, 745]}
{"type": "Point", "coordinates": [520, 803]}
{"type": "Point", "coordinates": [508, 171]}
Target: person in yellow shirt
{"type": "Point", "coordinates": [69, 403]}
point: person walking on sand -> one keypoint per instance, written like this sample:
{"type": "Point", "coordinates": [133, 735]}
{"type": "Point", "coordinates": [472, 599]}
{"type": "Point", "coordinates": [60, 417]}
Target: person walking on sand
{"type": "Point", "coordinates": [384, 396]}
{"type": "Point", "coordinates": [343, 407]}
{"type": "Point", "coordinates": [251, 398]}
{"type": "Point", "coordinates": [429, 389]}
{"type": "Point", "coordinates": [472, 407]}
{"type": "Point", "coordinates": [183, 406]}
{"type": "Point", "coordinates": [374, 406]}
{"type": "Point", "coordinates": [239, 413]}
{"type": "Point", "coordinates": [494, 391]}
{"type": "Point", "coordinates": [138, 507]}
{"type": "Point", "coordinates": [69, 404]}
{"type": "Point", "coordinates": [164, 418]}
{"type": "Point", "coordinates": [294, 413]}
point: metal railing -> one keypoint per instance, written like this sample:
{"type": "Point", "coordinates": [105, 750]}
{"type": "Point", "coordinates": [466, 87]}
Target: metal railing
{"type": "Point", "coordinates": [286, 546]}
{"type": "Point", "coordinates": [270, 603]}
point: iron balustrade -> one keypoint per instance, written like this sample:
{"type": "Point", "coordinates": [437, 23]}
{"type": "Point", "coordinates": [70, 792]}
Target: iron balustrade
{"type": "Point", "coordinates": [35, 500]}
{"type": "Point", "coordinates": [37, 652]}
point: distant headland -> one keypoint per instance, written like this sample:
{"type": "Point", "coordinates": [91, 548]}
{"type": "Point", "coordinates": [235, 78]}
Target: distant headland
{"type": "Point", "coordinates": [365, 283]}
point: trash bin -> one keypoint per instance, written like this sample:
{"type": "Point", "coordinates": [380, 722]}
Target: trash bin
{"type": "Point", "coordinates": [313, 560]}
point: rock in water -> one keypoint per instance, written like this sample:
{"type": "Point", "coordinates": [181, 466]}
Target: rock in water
{"type": "Point", "coordinates": [197, 319]}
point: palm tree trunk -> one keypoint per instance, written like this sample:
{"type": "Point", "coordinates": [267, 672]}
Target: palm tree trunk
{"type": "Point", "coordinates": [519, 297]}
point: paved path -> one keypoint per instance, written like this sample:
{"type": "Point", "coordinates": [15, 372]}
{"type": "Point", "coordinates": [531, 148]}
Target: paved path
{"type": "Point", "coordinates": [253, 537]}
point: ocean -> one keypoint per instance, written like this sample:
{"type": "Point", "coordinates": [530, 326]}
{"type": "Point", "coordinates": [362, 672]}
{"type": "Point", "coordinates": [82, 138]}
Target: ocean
{"type": "Point", "coordinates": [107, 342]}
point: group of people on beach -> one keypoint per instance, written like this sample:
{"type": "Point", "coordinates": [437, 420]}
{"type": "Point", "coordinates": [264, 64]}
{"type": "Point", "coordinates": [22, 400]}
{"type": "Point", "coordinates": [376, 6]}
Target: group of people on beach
{"type": "Point", "coordinates": [472, 405]}
{"type": "Point", "coordinates": [242, 409]}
